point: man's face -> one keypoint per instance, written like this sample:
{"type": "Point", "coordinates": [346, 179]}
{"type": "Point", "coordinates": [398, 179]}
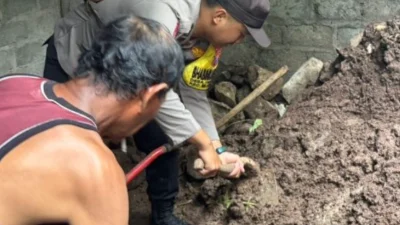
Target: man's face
{"type": "Point", "coordinates": [225, 30]}
{"type": "Point", "coordinates": [137, 113]}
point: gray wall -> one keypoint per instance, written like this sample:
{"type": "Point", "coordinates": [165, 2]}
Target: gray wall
{"type": "Point", "coordinates": [24, 26]}
{"type": "Point", "coordinates": [300, 29]}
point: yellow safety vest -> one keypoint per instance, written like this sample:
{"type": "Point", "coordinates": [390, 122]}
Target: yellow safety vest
{"type": "Point", "coordinates": [198, 73]}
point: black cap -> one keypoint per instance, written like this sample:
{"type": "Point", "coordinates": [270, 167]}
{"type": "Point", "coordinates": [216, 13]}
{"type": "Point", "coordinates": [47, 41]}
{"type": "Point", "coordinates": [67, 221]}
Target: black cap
{"type": "Point", "coordinates": [252, 13]}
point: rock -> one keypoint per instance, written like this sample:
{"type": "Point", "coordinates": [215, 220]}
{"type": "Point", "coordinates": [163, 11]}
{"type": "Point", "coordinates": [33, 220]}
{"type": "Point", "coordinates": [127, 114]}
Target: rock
{"type": "Point", "coordinates": [226, 75]}
{"type": "Point", "coordinates": [237, 80]}
{"type": "Point", "coordinates": [257, 75]}
{"type": "Point", "coordinates": [307, 75]}
{"type": "Point", "coordinates": [260, 108]}
{"type": "Point", "coordinates": [225, 92]}
{"type": "Point", "coordinates": [238, 129]}
{"type": "Point", "coordinates": [220, 109]}
{"type": "Point", "coordinates": [355, 41]}
{"type": "Point", "coordinates": [242, 93]}
{"type": "Point", "coordinates": [281, 109]}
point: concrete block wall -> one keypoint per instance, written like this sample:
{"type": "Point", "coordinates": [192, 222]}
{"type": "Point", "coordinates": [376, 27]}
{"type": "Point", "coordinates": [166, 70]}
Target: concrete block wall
{"type": "Point", "coordinates": [24, 26]}
{"type": "Point", "coordinates": [300, 29]}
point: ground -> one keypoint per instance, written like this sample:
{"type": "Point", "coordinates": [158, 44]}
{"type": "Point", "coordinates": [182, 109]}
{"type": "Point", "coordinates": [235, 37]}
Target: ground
{"type": "Point", "coordinates": [332, 159]}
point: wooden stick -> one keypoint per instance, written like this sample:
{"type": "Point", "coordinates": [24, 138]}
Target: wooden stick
{"type": "Point", "coordinates": [253, 95]}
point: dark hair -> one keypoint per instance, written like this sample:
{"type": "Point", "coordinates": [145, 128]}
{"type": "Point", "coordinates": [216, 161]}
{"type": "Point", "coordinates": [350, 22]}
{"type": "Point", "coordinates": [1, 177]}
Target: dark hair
{"type": "Point", "coordinates": [212, 3]}
{"type": "Point", "coordinates": [131, 54]}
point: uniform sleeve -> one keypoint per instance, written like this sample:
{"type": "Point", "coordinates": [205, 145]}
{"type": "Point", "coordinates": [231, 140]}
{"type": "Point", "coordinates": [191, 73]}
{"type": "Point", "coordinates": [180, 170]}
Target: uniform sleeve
{"type": "Point", "coordinates": [197, 103]}
{"type": "Point", "coordinates": [175, 120]}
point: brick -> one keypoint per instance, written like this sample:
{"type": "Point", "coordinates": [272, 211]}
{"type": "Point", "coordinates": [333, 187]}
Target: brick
{"type": "Point", "coordinates": [13, 32]}
{"type": "Point", "coordinates": [7, 61]}
{"type": "Point", "coordinates": [17, 7]}
{"type": "Point", "coordinates": [30, 53]}
{"type": "Point", "coordinates": [275, 59]}
{"type": "Point", "coordinates": [307, 75]}
{"type": "Point", "coordinates": [292, 9]}
{"type": "Point", "coordinates": [32, 68]}
{"type": "Point", "coordinates": [337, 9]}
{"type": "Point", "coordinates": [45, 4]}
{"type": "Point", "coordinates": [275, 33]}
{"type": "Point", "coordinates": [314, 36]}
{"type": "Point", "coordinates": [345, 35]}
{"type": "Point", "coordinates": [43, 25]}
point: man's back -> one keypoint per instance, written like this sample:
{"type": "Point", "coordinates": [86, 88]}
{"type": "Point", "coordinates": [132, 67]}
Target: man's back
{"type": "Point", "coordinates": [51, 158]}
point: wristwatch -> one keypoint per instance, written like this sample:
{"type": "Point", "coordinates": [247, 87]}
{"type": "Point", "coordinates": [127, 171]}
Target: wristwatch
{"type": "Point", "coordinates": [221, 150]}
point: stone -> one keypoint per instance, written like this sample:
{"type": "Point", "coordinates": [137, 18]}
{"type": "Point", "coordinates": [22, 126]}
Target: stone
{"type": "Point", "coordinates": [225, 92]}
{"type": "Point", "coordinates": [259, 109]}
{"type": "Point", "coordinates": [309, 35]}
{"type": "Point", "coordinates": [258, 75]}
{"type": "Point", "coordinates": [237, 80]}
{"type": "Point", "coordinates": [220, 109]}
{"type": "Point", "coordinates": [356, 40]}
{"type": "Point", "coordinates": [16, 7]}
{"type": "Point", "coordinates": [29, 53]}
{"type": "Point", "coordinates": [281, 109]}
{"type": "Point", "coordinates": [13, 32]}
{"type": "Point", "coordinates": [7, 62]}
{"type": "Point", "coordinates": [338, 9]}
{"type": "Point", "coordinates": [242, 93]}
{"type": "Point", "coordinates": [307, 75]}
{"type": "Point", "coordinates": [349, 37]}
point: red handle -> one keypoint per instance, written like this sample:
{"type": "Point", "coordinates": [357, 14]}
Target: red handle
{"type": "Point", "coordinates": [145, 163]}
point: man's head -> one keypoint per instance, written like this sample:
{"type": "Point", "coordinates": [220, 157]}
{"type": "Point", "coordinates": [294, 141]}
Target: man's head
{"type": "Point", "coordinates": [135, 61]}
{"type": "Point", "coordinates": [228, 22]}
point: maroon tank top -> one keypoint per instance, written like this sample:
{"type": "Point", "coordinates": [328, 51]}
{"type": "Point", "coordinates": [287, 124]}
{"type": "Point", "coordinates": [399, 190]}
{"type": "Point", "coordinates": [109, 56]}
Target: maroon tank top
{"type": "Point", "coordinates": [29, 106]}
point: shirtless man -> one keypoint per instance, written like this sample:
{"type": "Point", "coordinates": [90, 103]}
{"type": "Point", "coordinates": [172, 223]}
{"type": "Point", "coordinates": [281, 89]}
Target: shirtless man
{"type": "Point", "coordinates": [54, 166]}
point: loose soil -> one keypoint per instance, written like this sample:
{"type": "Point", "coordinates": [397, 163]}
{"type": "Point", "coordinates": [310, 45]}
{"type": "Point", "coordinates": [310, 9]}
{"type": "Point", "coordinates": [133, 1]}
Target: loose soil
{"type": "Point", "coordinates": [333, 159]}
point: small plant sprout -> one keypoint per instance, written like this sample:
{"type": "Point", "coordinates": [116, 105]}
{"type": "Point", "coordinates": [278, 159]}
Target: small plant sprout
{"type": "Point", "coordinates": [257, 123]}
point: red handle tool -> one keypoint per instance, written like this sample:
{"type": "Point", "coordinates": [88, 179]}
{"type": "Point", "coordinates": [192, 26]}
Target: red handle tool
{"type": "Point", "coordinates": [133, 173]}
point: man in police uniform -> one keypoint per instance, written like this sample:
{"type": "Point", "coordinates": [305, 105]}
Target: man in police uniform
{"type": "Point", "coordinates": [202, 27]}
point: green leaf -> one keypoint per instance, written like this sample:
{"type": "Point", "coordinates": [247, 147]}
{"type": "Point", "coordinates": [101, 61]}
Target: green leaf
{"type": "Point", "coordinates": [257, 123]}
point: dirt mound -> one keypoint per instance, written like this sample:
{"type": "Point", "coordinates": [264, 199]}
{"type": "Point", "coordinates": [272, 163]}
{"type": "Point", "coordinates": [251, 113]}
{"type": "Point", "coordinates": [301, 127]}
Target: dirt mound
{"type": "Point", "coordinates": [335, 155]}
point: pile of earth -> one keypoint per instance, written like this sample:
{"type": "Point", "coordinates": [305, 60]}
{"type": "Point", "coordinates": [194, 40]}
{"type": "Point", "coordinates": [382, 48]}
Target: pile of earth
{"type": "Point", "coordinates": [334, 157]}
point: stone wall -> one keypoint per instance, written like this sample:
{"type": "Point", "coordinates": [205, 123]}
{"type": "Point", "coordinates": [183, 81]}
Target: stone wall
{"type": "Point", "coordinates": [24, 26]}
{"type": "Point", "coordinates": [300, 29]}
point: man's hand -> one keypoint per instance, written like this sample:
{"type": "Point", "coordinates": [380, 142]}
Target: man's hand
{"type": "Point", "coordinates": [230, 158]}
{"type": "Point", "coordinates": [207, 153]}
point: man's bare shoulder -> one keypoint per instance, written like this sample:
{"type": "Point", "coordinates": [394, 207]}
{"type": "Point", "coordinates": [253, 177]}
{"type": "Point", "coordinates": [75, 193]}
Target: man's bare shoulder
{"type": "Point", "coordinates": [77, 152]}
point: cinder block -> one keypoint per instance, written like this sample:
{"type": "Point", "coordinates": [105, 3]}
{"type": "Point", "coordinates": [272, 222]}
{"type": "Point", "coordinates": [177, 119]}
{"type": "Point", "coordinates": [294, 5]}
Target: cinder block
{"type": "Point", "coordinates": [291, 9]}
{"type": "Point", "coordinates": [307, 75]}
{"type": "Point", "coordinates": [275, 59]}
{"type": "Point", "coordinates": [380, 10]}
{"type": "Point", "coordinates": [30, 53]}
{"type": "Point", "coordinates": [13, 32]}
{"type": "Point", "coordinates": [32, 68]}
{"type": "Point", "coordinates": [275, 33]}
{"type": "Point", "coordinates": [338, 9]}
{"type": "Point", "coordinates": [42, 26]}
{"type": "Point", "coordinates": [313, 36]}
{"type": "Point", "coordinates": [16, 7]}
{"type": "Point", "coordinates": [7, 62]}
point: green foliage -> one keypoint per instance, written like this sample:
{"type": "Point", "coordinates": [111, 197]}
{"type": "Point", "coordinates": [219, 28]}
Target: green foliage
{"type": "Point", "coordinates": [257, 123]}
